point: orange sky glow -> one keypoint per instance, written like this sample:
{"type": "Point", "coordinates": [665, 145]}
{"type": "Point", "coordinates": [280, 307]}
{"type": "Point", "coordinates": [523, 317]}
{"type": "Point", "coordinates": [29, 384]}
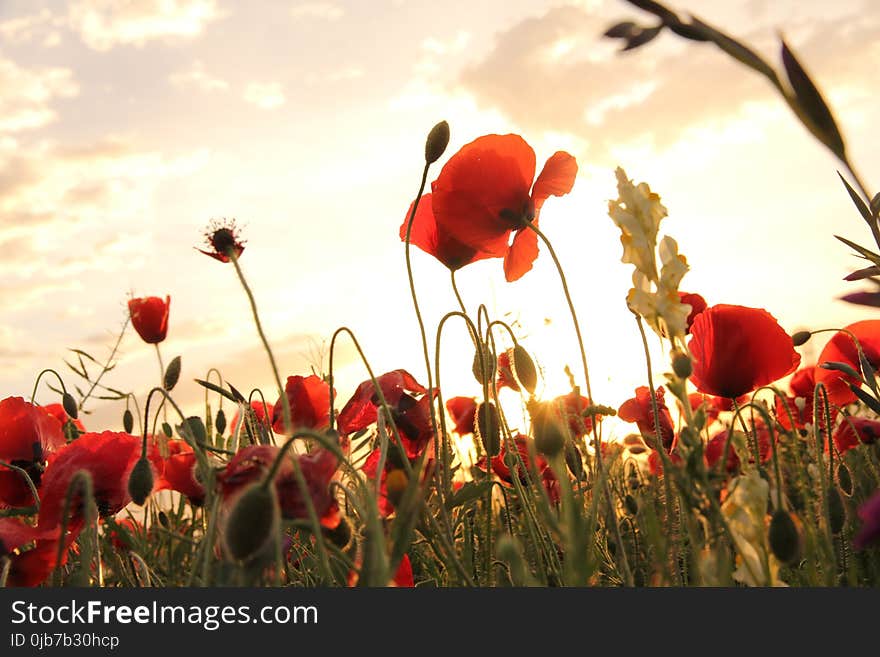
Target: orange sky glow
{"type": "Point", "coordinates": [125, 126]}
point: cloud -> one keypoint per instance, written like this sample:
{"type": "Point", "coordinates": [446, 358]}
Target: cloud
{"type": "Point", "coordinates": [556, 73]}
{"type": "Point", "coordinates": [104, 24]}
{"type": "Point", "coordinates": [43, 27]}
{"type": "Point", "coordinates": [320, 10]}
{"type": "Point", "coordinates": [196, 77]}
{"type": "Point", "coordinates": [26, 95]}
{"type": "Point", "coordinates": [265, 95]}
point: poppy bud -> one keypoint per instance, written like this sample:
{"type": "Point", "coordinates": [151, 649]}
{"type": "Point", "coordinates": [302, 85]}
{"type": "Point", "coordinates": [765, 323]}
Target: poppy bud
{"type": "Point", "coordinates": [166, 429]}
{"type": "Point", "coordinates": [487, 361]}
{"type": "Point", "coordinates": [172, 374]}
{"type": "Point", "coordinates": [163, 519]}
{"type": "Point", "coordinates": [631, 505]}
{"type": "Point", "coordinates": [396, 483]}
{"type": "Point", "coordinates": [128, 421]}
{"type": "Point", "coordinates": [549, 433]}
{"type": "Point", "coordinates": [785, 539]}
{"type": "Point", "coordinates": [844, 479]}
{"type": "Point", "coordinates": [573, 460]}
{"type": "Point", "coordinates": [220, 421]}
{"type": "Point", "coordinates": [489, 428]}
{"type": "Point", "coordinates": [437, 141]}
{"type": "Point", "coordinates": [251, 521]}
{"type": "Point", "coordinates": [69, 404]}
{"type": "Point", "coordinates": [800, 338]}
{"type": "Point", "coordinates": [836, 511]}
{"type": "Point", "coordinates": [681, 365]}
{"type": "Point", "coordinates": [140, 481]}
{"type": "Point", "coordinates": [524, 368]}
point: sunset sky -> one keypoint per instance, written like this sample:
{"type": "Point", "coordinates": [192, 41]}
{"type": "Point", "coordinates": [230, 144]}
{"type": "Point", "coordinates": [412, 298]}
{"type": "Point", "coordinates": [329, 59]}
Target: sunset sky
{"type": "Point", "coordinates": [126, 125]}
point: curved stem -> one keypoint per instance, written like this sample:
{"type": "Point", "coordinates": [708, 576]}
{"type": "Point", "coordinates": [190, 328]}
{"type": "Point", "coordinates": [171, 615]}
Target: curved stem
{"type": "Point", "coordinates": [281, 393]}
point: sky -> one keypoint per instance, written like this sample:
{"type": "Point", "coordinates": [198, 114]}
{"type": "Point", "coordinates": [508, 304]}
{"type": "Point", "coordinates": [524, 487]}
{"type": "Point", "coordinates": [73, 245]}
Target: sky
{"type": "Point", "coordinates": [127, 125]}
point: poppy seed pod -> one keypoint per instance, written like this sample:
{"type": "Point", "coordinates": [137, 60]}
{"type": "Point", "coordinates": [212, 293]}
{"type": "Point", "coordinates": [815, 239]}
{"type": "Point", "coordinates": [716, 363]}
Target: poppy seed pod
{"type": "Point", "coordinates": [140, 481]}
{"type": "Point", "coordinates": [251, 521]}
{"type": "Point", "coordinates": [488, 428]}
{"type": "Point", "coordinates": [785, 538]}
{"type": "Point", "coordinates": [172, 374]}
{"type": "Point", "coordinates": [436, 143]}
{"type": "Point", "coordinates": [524, 368]}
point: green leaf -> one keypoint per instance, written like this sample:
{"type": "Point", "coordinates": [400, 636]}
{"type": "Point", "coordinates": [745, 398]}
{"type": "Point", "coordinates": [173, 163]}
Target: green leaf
{"type": "Point", "coordinates": [472, 490]}
{"type": "Point", "coordinates": [859, 203]}
{"type": "Point", "coordinates": [865, 253]}
{"type": "Point", "coordinates": [812, 104]}
{"type": "Point", "coordinates": [217, 389]}
{"type": "Point", "coordinates": [737, 50]}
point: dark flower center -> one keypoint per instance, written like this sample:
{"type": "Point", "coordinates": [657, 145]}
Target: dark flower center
{"type": "Point", "coordinates": [223, 241]}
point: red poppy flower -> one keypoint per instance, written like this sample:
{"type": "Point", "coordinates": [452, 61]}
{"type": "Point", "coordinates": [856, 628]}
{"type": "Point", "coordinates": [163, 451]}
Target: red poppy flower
{"type": "Point", "coordinates": [410, 413]}
{"type": "Point", "coordinates": [252, 463]}
{"type": "Point", "coordinates": [655, 462]}
{"type": "Point", "coordinates": [393, 461]}
{"type": "Point", "coordinates": [123, 532]}
{"type": "Point", "coordinates": [505, 378]}
{"type": "Point", "coordinates": [571, 408]}
{"type": "Point", "coordinates": [501, 462]}
{"type": "Point", "coordinates": [404, 575]}
{"type": "Point", "coordinates": [149, 316]}
{"type": "Point", "coordinates": [57, 411]}
{"type": "Point", "coordinates": [854, 431]}
{"type": "Point", "coordinates": [799, 405]}
{"type": "Point", "coordinates": [841, 349]}
{"type": "Point", "coordinates": [179, 472]}
{"type": "Point", "coordinates": [710, 405]}
{"type": "Point", "coordinates": [869, 513]}
{"type": "Point", "coordinates": [697, 304]}
{"type": "Point", "coordinates": [263, 413]}
{"type": "Point", "coordinates": [483, 195]}
{"type": "Point", "coordinates": [309, 400]}
{"type": "Point", "coordinates": [108, 457]}
{"type": "Point", "coordinates": [28, 434]}
{"type": "Point", "coordinates": [640, 410]}
{"type": "Point", "coordinates": [31, 567]}
{"type": "Point", "coordinates": [715, 448]}
{"type": "Point", "coordinates": [425, 235]}
{"type": "Point", "coordinates": [463, 411]}
{"type": "Point", "coordinates": [737, 349]}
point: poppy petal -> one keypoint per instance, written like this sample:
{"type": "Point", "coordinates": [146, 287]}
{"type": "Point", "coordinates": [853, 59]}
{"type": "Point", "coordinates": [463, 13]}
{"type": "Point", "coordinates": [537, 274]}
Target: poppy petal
{"type": "Point", "coordinates": [521, 254]}
{"type": "Point", "coordinates": [556, 178]}
{"type": "Point", "coordinates": [842, 349]}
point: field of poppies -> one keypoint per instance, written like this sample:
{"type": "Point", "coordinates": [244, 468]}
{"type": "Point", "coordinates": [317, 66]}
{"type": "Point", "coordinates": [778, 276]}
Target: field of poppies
{"type": "Point", "coordinates": [745, 466]}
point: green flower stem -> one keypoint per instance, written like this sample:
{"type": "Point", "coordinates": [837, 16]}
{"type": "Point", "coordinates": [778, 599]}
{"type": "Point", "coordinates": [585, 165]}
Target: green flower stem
{"type": "Point", "coordinates": [35, 508]}
{"type": "Point", "coordinates": [106, 368]}
{"type": "Point", "coordinates": [664, 457]}
{"type": "Point", "coordinates": [412, 288]}
{"type": "Point", "coordinates": [285, 403]}
{"type": "Point", "coordinates": [48, 370]}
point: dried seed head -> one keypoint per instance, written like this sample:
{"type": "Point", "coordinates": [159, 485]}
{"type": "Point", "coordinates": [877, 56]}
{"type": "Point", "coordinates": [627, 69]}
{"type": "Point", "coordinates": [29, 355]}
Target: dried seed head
{"type": "Point", "coordinates": [251, 522]}
{"type": "Point", "coordinates": [140, 481]}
